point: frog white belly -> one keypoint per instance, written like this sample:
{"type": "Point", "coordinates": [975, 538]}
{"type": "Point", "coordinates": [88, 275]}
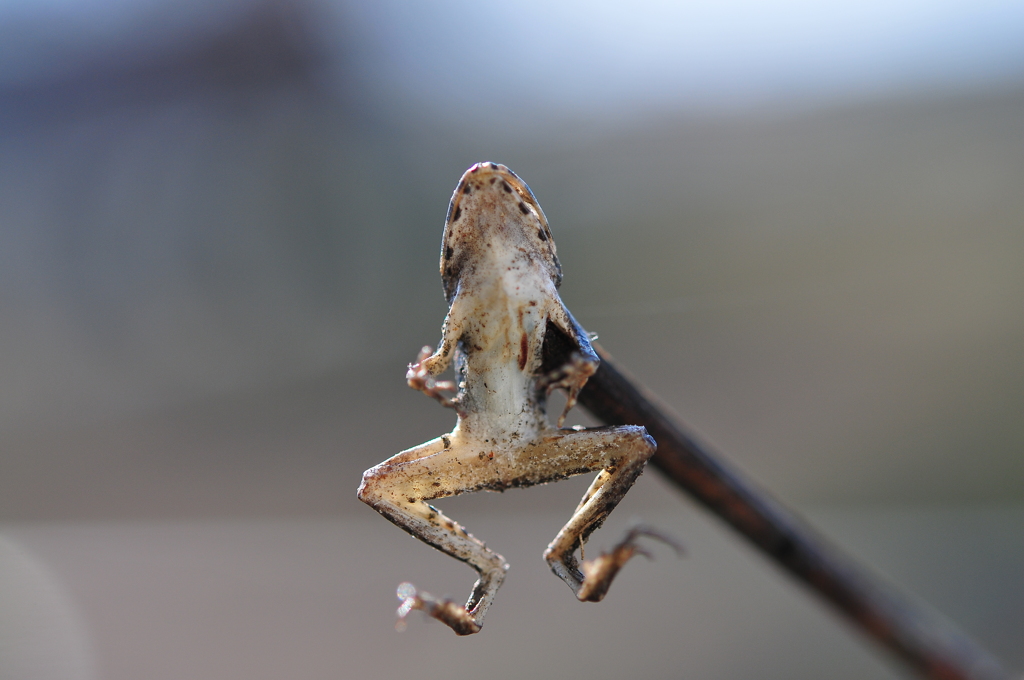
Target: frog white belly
{"type": "Point", "coordinates": [502, 357]}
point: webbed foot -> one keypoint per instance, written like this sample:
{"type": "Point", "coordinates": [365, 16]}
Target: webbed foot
{"type": "Point", "coordinates": [599, 572]}
{"type": "Point", "coordinates": [447, 612]}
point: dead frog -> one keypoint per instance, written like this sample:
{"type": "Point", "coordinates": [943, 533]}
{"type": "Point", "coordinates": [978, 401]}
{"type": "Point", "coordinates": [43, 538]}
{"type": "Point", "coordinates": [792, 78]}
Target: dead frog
{"type": "Point", "coordinates": [513, 342]}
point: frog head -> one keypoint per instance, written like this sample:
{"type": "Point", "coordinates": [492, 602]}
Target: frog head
{"type": "Point", "coordinates": [493, 217]}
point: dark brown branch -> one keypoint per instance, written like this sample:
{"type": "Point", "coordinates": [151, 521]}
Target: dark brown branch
{"type": "Point", "coordinates": [931, 646]}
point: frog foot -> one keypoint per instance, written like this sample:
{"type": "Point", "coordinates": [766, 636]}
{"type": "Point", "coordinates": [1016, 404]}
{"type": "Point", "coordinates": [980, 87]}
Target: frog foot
{"type": "Point", "coordinates": [599, 572]}
{"type": "Point", "coordinates": [571, 377]}
{"type": "Point", "coordinates": [419, 378]}
{"type": "Point", "coordinates": [444, 610]}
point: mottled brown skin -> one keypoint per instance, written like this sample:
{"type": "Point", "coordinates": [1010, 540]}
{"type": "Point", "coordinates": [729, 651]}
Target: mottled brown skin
{"type": "Point", "coordinates": [501, 275]}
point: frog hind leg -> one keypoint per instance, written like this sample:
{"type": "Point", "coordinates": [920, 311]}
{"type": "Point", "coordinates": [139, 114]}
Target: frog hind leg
{"type": "Point", "coordinates": [621, 453]}
{"type": "Point", "coordinates": [399, 489]}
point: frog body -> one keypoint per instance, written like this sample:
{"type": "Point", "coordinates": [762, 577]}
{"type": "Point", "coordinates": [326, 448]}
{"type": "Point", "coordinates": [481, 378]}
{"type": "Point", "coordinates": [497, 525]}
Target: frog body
{"type": "Point", "coordinates": [512, 341]}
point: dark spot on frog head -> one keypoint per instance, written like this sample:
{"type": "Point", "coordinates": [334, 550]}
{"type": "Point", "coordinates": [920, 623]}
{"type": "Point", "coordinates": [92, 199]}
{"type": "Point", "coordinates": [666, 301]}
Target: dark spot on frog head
{"type": "Point", "coordinates": [506, 187]}
{"type": "Point", "coordinates": [542, 235]}
{"type": "Point", "coordinates": [457, 214]}
{"type": "Point", "coordinates": [494, 166]}
{"type": "Point", "coordinates": [467, 188]}
{"type": "Point", "coordinates": [448, 252]}
{"type": "Point", "coordinates": [523, 209]}
{"type": "Point", "coordinates": [524, 349]}
{"type": "Point", "coordinates": [493, 180]}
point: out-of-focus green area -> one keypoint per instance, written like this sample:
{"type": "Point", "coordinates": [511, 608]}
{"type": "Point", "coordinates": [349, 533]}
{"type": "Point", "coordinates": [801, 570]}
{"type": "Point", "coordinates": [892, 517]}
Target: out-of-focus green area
{"type": "Point", "coordinates": [201, 233]}
{"type": "Point", "coordinates": [219, 233]}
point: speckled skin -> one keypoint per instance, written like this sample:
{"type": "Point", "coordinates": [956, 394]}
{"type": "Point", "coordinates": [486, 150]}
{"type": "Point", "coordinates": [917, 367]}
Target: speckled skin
{"type": "Point", "coordinates": [501, 275]}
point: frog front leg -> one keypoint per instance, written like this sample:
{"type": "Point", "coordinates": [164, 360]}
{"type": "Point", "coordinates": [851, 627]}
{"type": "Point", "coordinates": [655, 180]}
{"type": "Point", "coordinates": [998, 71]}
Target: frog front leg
{"type": "Point", "coordinates": [576, 356]}
{"type": "Point", "coordinates": [420, 375]}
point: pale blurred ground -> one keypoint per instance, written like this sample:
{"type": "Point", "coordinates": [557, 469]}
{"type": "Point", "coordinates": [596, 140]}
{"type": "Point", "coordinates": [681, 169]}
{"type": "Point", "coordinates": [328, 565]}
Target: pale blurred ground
{"type": "Point", "coordinates": [314, 598]}
{"type": "Point", "coordinates": [219, 228]}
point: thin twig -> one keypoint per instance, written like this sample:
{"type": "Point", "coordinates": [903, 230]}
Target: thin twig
{"type": "Point", "coordinates": [931, 646]}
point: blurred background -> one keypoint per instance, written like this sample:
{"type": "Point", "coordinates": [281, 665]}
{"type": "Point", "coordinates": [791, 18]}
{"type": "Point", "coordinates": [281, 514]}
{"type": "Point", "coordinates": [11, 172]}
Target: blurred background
{"type": "Point", "coordinates": [801, 224]}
